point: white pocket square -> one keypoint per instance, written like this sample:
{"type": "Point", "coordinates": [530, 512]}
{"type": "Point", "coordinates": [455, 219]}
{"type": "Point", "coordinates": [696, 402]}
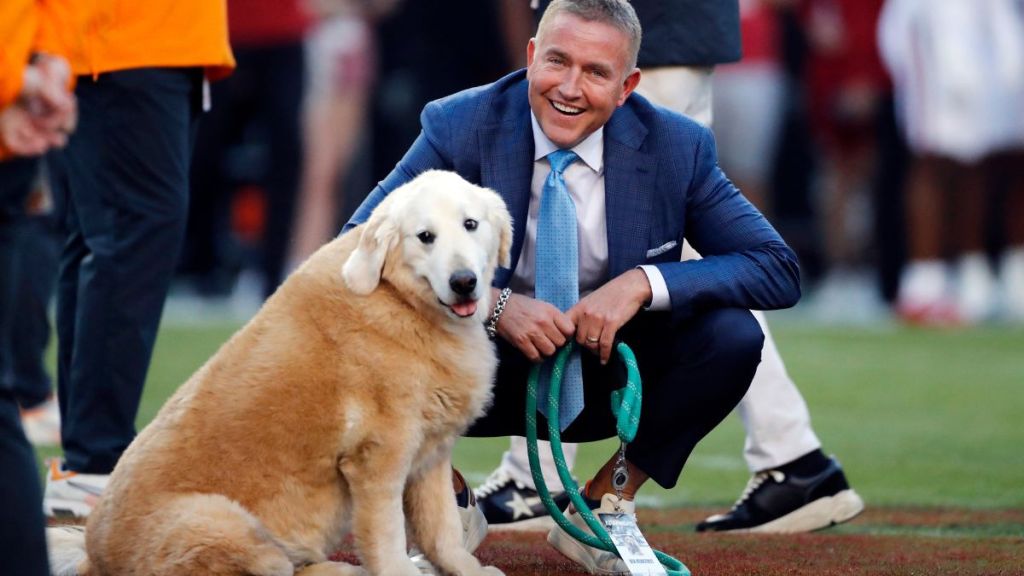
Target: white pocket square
{"type": "Point", "coordinates": [661, 249]}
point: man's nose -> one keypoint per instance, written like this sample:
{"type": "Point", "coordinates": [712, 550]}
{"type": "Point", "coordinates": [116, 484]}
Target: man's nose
{"type": "Point", "coordinates": [569, 88]}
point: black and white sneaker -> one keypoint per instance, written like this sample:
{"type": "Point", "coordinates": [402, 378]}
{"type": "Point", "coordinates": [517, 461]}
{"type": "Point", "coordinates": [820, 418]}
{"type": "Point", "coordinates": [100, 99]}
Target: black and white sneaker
{"type": "Point", "coordinates": [510, 505]}
{"type": "Point", "coordinates": [774, 502]}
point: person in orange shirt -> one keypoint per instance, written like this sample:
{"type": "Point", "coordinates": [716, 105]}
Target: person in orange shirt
{"type": "Point", "coordinates": [36, 111]}
{"type": "Point", "coordinates": [121, 190]}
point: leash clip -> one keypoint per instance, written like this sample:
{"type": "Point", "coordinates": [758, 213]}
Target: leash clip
{"type": "Point", "coordinates": [620, 474]}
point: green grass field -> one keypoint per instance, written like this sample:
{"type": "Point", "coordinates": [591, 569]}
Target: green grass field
{"type": "Point", "coordinates": [918, 418]}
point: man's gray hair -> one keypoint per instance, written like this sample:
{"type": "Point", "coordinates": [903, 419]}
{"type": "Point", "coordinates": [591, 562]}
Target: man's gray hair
{"type": "Point", "coordinates": [618, 13]}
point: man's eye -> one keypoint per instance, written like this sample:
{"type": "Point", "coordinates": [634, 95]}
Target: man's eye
{"type": "Point", "coordinates": [426, 237]}
{"type": "Point", "coordinates": [470, 224]}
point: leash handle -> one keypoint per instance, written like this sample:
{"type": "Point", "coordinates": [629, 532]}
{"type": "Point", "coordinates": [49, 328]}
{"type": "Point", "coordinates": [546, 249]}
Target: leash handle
{"type": "Point", "coordinates": [626, 404]}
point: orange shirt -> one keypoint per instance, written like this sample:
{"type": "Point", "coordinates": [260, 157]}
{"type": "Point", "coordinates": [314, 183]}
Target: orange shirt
{"type": "Point", "coordinates": [123, 34]}
{"type": "Point", "coordinates": [18, 20]}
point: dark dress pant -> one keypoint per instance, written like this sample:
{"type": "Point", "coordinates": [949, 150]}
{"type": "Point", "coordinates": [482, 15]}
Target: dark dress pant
{"type": "Point", "coordinates": [22, 540]}
{"type": "Point", "coordinates": [16, 179]}
{"type": "Point", "coordinates": [260, 101]}
{"type": "Point", "coordinates": [121, 188]}
{"type": "Point", "coordinates": [39, 251]}
{"type": "Point", "coordinates": [693, 372]}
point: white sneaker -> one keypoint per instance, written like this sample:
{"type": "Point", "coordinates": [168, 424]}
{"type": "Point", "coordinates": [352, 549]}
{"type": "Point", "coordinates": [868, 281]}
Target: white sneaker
{"type": "Point", "coordinates": [593, 560]}
{"type": "Point", "coordinates": [71, 494]}
{"type": "Point", "coordinates": [1012, 277]}
{"type": "Point", "coordinates": [42, 423]}
{"type": "Point", "coordinates": [975, 288]}
{"type": "Point", "coordinates": [474, 527]}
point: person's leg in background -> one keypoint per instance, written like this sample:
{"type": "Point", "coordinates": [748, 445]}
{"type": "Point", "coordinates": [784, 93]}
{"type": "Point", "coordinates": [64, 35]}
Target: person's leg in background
{"type": "Point", "coordinates": [889, 200]}
{"type": "Point", "coordinates": [747, 129]}
{"type": "Point", "coordinates": [40, 249]}
{"type": "Point", "coordinates": [772, 406]}
{"type": "Point", "coordinates": [1011, 264]}
{"type": "Point", "coordinates": [925, 291]}
{"type": "Point", "coordinates": [975, 287]}
{"type": "Point", "coordinates": [16, 178]}
{"type": "Point", "coordinates": [282, 85]}
{"type": "Point", "coordinates": [341, 60]}
{"type": "Point", "coordinates": [123, 185]}
{"type": "Point", "coordinates": [22, 540]}
{"type": "Point", "coordinates": [210, 259]}
{"type": "Point", "coordinates": [37, 271]}
{"type": "Point", "coordinates": [22, 536]}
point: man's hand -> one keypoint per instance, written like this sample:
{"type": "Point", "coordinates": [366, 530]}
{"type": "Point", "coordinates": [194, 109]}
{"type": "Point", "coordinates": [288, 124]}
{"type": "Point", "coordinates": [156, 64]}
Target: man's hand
{"type": "Point", "coordinates": [600, 314]}
{"type": "Point", "coordinates": [46, 94]}
{"type": "Point", "coordinates": [45, 112]}
{"type": "Point", "coordinates": [535, 327]}
{"type": "Point", "coordinates": [20, 134]}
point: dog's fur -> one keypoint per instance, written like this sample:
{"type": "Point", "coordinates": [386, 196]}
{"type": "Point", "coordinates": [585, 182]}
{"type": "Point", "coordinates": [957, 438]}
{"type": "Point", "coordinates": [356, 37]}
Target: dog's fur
{"type": "Point", "coordinates": [333, 411]}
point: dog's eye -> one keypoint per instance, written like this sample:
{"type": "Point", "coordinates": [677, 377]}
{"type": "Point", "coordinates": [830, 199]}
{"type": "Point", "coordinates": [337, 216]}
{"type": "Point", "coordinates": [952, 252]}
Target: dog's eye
{"type": "Point", "coordinates": [426, 237]}
{"type": "Point", "coordinates": [470, 224]}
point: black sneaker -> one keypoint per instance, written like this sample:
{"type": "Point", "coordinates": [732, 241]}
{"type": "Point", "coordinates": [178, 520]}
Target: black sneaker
{"type": "Point", "coordinates": [511, 505]}
{"type": "Point", "coordinates": [779, 503]}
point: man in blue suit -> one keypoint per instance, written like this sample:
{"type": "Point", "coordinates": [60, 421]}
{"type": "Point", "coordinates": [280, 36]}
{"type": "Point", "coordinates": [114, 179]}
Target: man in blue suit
{"type": "Point", "coordinates": [644, 179]}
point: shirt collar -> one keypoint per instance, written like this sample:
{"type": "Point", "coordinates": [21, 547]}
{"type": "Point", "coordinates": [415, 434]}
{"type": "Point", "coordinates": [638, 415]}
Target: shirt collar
{"type": "Point", "coordinates": [590, 150]}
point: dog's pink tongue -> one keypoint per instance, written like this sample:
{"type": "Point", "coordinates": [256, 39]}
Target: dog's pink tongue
{"type": "Point", "coordinates": [464, 309]}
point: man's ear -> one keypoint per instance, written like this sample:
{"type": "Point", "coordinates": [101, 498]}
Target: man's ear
{"type": "Point", "coordinates": [363, 268]}
{"type": "Point", "coordinates": [629, 84]}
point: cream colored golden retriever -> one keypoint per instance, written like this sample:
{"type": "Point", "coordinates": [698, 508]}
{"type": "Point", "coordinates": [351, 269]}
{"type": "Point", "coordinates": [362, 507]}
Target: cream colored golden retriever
{"type": "Point", "coordinates": [333, 411]}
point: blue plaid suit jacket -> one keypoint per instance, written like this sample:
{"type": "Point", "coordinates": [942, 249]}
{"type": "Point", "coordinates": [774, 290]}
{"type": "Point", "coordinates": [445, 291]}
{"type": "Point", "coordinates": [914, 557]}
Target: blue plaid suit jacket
{"type": "Point", "coordinates": [662, 182]}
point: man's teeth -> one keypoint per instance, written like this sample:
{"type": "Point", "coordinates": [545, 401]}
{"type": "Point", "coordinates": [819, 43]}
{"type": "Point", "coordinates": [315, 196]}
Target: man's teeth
{"type": "Point", "coordinates": [566, 109]}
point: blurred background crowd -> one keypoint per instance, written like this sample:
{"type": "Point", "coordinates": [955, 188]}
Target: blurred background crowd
{"type": "Point", "coordinates": [884, 139]}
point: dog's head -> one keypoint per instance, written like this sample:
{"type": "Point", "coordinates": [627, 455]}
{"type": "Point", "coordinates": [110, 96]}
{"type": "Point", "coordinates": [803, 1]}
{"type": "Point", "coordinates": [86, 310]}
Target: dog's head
{"type": "Point", "coordinates": [438, 237]}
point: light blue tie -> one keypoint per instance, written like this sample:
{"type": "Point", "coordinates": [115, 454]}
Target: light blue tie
{"type": "Point", "coordinates": [557, 276]}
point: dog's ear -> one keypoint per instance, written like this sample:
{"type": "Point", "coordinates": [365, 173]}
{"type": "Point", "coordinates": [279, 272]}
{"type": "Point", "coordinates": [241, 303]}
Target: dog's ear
{"type": "Point", "coordinates": [501, 220]}
{"type": "Point", "coordinates": [363, 268]}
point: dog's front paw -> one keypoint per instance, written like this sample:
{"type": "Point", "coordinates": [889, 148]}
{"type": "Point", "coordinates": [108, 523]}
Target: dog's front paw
{"type": "Point", "coordinates": [491, 571]}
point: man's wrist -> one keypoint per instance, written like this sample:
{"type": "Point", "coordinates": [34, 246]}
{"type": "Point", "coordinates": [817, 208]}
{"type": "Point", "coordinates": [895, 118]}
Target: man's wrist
{"type": "Point", "coordinates": [499, 307]}
{"type": "Point", "coordinates": [658, 290]}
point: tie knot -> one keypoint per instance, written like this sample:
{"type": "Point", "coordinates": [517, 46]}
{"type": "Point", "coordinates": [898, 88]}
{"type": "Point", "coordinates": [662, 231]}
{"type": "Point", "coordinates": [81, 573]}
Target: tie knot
{"type": "Point", "coordinates": [561, 159]}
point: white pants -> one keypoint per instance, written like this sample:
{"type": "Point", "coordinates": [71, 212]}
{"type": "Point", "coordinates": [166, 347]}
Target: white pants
{"type": "Point", "coordinates": [773, 412]}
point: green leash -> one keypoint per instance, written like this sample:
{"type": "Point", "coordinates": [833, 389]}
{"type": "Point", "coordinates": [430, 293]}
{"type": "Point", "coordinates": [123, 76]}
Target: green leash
{"type": "Point", "coordinates": [626, 408]}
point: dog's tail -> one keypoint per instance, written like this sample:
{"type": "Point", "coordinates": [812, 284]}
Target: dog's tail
{"type": "Point", "coordinates": [66, 546]}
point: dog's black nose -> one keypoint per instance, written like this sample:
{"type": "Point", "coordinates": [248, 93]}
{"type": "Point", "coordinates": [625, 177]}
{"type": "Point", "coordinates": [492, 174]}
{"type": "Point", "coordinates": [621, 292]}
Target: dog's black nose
{"type": "Point", "coordinates": [462, 282]}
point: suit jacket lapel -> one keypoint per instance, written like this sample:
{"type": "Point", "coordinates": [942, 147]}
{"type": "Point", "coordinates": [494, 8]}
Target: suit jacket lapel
{"type": "Point", "coordinates": [629, 180]}
{"type": "Point", "coordinates": [506, 166]}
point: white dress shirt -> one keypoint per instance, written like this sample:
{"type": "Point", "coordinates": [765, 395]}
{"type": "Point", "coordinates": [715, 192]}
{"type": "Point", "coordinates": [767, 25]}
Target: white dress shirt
{"type": "Point", "coordinates": [585, 181]}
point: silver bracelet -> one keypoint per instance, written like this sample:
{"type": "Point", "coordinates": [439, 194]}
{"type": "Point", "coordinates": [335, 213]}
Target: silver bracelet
{"type": "Point", "coordinates": [499, 307]}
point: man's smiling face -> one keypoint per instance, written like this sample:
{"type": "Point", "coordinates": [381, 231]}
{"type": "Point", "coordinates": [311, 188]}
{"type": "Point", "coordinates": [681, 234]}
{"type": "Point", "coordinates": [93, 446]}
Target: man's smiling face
{"type": "Point", "coordinates": [578, 77]}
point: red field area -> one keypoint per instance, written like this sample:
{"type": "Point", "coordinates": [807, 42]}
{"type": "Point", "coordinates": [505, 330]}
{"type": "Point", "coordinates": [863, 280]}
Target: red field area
{"type": "Point", "coordinates": [878, 543]}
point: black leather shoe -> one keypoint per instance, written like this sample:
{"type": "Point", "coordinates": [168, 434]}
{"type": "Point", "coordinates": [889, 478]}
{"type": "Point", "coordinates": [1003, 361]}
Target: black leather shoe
{"type": "Point", "coordinates": [508, 503]}
{"type": "Point", "coordinates": [779, 503]}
